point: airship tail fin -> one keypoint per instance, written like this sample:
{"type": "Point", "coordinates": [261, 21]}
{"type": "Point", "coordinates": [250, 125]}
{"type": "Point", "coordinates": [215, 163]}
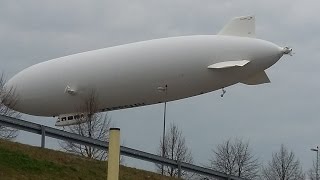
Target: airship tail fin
{"type": "Point", "coordinates": [259, 78]}
{"type": "Point", "coordinates": [240, 26]}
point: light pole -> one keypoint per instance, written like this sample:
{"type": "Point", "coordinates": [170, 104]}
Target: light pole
{"type": "Point", "coordinates": [164, 124]}
{"type": "Point", "coordinates": [317, 163]}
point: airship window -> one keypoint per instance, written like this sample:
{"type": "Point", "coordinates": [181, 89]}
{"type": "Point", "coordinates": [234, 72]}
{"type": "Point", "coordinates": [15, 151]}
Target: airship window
{"type": "Point", "coordinates": [63, 119]}
{"type": "Point", "coordinates": [76, 117]}
{"type": "Point", "coordinates": [70, 117]}
{"type": "Point", "coordinates": [82, 116]}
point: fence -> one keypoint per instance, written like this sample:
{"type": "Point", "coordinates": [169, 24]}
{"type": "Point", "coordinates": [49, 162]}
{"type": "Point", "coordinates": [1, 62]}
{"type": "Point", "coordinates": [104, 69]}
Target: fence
{"type": "Point", "coordinates": [66, 136]}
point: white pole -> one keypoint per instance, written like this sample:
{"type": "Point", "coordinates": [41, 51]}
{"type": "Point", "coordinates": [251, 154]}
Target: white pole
{"type": "Point", "coordinates": [114, 154]}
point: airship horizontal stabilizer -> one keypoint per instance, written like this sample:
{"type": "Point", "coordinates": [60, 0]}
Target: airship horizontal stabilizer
{"type": "Point", "coordinates": [228, 64]}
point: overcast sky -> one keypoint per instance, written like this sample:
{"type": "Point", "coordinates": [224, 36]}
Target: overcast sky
{"type": "Point", "coordinates": [284, 111]}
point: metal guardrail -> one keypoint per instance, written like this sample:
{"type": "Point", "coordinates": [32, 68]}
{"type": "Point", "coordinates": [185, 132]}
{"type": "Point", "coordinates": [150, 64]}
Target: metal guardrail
{"type": "Point", "coordinates": [66, 136]}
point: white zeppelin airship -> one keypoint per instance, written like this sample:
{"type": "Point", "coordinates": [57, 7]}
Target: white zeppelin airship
{"type": "Point", "coordinates": [147, 72]}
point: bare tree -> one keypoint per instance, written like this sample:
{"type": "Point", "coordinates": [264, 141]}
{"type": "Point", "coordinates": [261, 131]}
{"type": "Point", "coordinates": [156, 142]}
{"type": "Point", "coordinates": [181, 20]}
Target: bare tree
{"type": "Point", "coordinates": [312, 173]}
{"type": "Point", "coordinates": [283, 166]}
{"type": "Point", "coordinates": [175, 148]}
{"type": "Point", "coordinates": [235, 158]}
{"type": "Point", "coordinates": [7, 99]}
{"type": "Point", "coordinates": [96, 126]}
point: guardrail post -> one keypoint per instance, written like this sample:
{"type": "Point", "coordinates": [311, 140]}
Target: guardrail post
{"type": "Point", "coordinates": [43, 136]}
{"type": "Point", "coordinates": [179, 169]}
{"type": "Point", "coordinates": [114, 154]}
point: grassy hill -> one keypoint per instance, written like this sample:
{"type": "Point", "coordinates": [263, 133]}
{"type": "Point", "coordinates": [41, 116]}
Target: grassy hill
{"type": "Point", "coordinates": [19, 161]}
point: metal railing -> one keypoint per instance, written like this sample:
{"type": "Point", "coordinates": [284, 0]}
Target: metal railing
{"type": "Point", "coordinates": [66, 136]}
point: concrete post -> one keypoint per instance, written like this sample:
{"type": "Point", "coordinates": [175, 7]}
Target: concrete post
{"type": "Point", "coordinates": [114, 154]}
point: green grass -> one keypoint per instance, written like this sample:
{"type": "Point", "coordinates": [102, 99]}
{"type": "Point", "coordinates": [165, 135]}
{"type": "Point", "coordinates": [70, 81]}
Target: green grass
{"type": "Point", "coordinates": [23, 162]}
{"type": "Point", "coordinates": [18, 161]}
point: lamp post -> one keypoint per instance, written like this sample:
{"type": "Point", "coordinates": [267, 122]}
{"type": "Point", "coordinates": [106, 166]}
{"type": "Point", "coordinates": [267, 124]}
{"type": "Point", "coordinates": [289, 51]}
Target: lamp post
{"type": "Point", "coordinates": [317, 163]}
{"type": "Point", "coordinates": [164, 89]}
